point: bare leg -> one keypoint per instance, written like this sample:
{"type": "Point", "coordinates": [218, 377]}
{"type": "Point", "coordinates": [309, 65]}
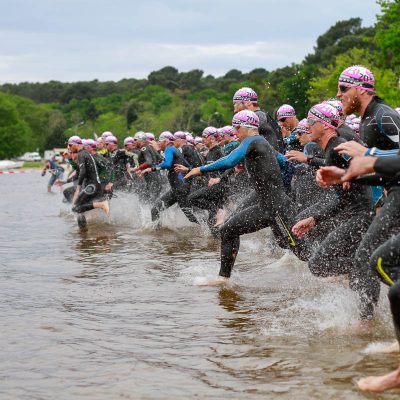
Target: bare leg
{"type": "Point", "coordinates": [220, 217]}
{"type": "Point", "coordinates": [392, 348]}
{"type": "Point", "coordinates": [380, 383]}
{"type": "Point", "coordinates": [103, 205]}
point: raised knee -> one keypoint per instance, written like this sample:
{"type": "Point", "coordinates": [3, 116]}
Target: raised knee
{"type": "Point", "coordinates": [394, 293]}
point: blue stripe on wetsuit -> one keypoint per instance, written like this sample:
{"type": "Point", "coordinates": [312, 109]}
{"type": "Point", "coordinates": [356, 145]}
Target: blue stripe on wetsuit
{"type": "Point", "coordinates": [168, 158]}
{"type": "Point", "coordinates": [234, 158]}
{"type": "Point", "coordinates": [383, 153]}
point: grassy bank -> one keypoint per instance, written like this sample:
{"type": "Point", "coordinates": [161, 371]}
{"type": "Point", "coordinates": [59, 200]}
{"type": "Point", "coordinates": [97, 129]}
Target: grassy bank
{"type": "Point", "coordinates": [33, 164]}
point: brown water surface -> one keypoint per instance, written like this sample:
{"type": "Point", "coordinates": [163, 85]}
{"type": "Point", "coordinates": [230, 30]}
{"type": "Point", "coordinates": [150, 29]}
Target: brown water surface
{"type": "Point", "coordinates": [116, 313]}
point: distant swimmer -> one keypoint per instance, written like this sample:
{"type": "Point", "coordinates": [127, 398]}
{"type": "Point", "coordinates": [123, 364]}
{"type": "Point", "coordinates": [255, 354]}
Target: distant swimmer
{"type": "Point", "coordinates": [55, 170]}
{"type": "Point", "coordinates": [89, 193]}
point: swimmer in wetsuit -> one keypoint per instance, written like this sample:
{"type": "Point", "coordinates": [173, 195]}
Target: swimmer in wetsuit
{"type": "Point", "coordinates": [179, 189]}
{"type": "Point", "coordinates": [273, 207]}
{"type": "Point", "coordinates": [385, 260]}
{"type": "Point", "coordinates": [89, 190]}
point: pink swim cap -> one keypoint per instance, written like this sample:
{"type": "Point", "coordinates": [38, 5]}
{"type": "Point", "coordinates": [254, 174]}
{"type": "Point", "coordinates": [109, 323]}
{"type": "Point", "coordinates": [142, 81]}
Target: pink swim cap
{"type": "Point", "coordinates": [166, 136]}
{"type": "Point", "coordinates": [246, 119]}
{"type": "Point", "coordinates": [338, 105]}
{"type": "Point", "coordinates": [228, 130]}
{"type": "Point", "coordinates": [198, 139]}
{"type": "Point", "coordinates": [303, 127]}
{"type": "Point", "coordinates": [129, 140]}
{"type": "Point", "coordinates": [91, 143]}
{"type": "Point", "coordinates": [150, 136]}
{"type": "Point", "coordinates": [75, 140]}
{"type": "Point", "coordinates": [285, 111]}
{"type": "Point", "coordinates": [111, 139]}
{"type": "Point", "coordinates": [326, 114]}
{"type": "Point", "coordinates": [210, 131]}
{"type": "Point", "coordinates": [359, 77]}
{"type": "Point", "coordinates": [190, 138]}
{"type": "Point", "coordinates": [245, 94]}
{"type": "Point", "coordinates": [180, 135]}
{"type": "Point", "coordinates": [107, 133]}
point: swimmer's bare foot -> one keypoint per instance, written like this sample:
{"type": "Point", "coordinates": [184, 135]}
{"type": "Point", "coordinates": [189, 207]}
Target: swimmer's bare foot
{"type": "Point", "coordinates": [103, 205]}
{"type": "Point", "coordinates": [363, 327]}
{"type": "Point", "coordinates": [221, 280]}
{"type": "Point", "coordinates": [380, 383]}
{"type": "Point", "coordinates": [220, 217]}
{"type": "Point", "coordinates": [342, 280]}
{"type": "Point", "coordinates": [392, 348]}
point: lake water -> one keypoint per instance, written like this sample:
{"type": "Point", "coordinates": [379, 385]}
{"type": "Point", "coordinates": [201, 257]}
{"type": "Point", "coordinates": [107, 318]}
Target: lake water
{"type": "Point", "coordinates": [116, 312]}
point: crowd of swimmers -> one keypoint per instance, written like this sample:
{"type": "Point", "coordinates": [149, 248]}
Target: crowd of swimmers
{"type": "Point", "coordinates": [328, 186]}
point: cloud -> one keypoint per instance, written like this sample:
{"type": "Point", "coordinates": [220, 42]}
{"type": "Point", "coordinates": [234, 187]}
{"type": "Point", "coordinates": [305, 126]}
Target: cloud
{"type": "Point", "coordinates": [88, 39]}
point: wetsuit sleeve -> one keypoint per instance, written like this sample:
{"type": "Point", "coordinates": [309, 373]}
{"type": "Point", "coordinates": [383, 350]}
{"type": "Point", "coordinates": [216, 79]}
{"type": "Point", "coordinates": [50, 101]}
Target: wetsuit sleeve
{"type": "Point", "coordinates": [282, 160]}
{"type": "Point", "coordinates": [228, 161]}
{"type": "Point", "coordinates": [225, 176]}
{"type": "Point", "coordinates": [148, 159]}
{"type": "Point", "coordinates": [381, 153]}
{"type": "Point", "coordinates": [388, 123]}
{"type": "Point", "coordinates": [373, 180]}
{"type": "Point", "coordinates": [82, 169]}
{"type": "Point", "coordinates": [169, 158]}
{"type": "Point", "coordinates": [388, 166]}
{"type": "Point", "coordinates": [317, 162]}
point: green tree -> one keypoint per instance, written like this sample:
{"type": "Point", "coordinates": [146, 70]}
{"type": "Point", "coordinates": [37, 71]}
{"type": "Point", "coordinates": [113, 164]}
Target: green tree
{"type": "Point", "coordinates": [324, 85]}
{"type": "Point", "coordinates": [388, 34]}
{"type": "Point", "coordinates": [15, 134]}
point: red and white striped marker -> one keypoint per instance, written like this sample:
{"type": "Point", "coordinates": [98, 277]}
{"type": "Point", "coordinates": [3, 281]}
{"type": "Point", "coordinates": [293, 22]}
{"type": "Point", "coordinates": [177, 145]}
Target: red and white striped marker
{"type": "Point", "coordinates": [24, 171]}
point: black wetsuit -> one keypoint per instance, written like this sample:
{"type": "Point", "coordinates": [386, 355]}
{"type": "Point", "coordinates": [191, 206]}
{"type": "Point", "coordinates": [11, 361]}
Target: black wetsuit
{"type": "Point", "coordinates": [304, 189]}
{"type": "Point", "coordinates": [270, 130]}
{"type": "Point", "coordinates": [380, 127]}
{"type": "Point", "coordinates": [119, 158]}
{"type": "Point", "coordinates": [179, 187]}
{"type": "Point", "coordinates": [89, 180]}
{"type": "Point", "coordinates": [204, 197]}
{"type": "Point", "coordinates": [273, 207]}
{"type": "Point", "coordinates": [213, 155]}
{"type": "Point", "coordinates": [291, 142]}
{"type": "Point", "coordinates": [352, 211]}
{"type": "Point", "coordinates": [345, 132]}
{"type": "Point", "coordinates": [149, 158]}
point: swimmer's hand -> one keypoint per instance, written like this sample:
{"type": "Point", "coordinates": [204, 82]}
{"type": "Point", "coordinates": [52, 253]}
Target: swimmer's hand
{"type": "Point", "coordinates": [352, 149]}
{"type": "Point", "coordinates": [59, 182]}
{"type": "Point", "coordinates": [108, 187]}
{"type": "Point", "coordinates": [76, 194]}
{"type": "Point", "coordinates": [213, 181]}
{"type": "Point", "coordinates": [181, 168]}
{"type": "Point", "coordinates": [144, 171]}
{"type": "Point", "coordinates": [193, 172]}
{"type": "Point", "coordinates": [303, 227]}
{"type": "Point", "coordinates": [327, 176]}
{"type": "Point", "coordinates": [295, 155]}
{"type": "Point", "coordinates": [359, 166]}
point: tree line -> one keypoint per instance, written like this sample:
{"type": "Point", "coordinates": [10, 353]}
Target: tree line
{"type": "Point", "coordinates": [42, 115]}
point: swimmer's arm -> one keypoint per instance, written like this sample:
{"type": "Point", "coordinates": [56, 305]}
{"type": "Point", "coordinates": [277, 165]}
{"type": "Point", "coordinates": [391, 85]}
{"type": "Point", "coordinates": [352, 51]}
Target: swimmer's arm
{"type": "Point", "coordinates": [381, 153]}
{"type": "Point", "coordinates": [169, 158]}
{"type": "Point", "coordinates": [229, 161]}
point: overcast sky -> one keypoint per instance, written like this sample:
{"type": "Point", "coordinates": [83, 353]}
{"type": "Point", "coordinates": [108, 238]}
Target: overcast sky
{"type": "Point", "coordinates": [70, 40]}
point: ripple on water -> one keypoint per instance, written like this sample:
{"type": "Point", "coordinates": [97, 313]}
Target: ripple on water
{"type": "Point", "coordinates": [114, 312]}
